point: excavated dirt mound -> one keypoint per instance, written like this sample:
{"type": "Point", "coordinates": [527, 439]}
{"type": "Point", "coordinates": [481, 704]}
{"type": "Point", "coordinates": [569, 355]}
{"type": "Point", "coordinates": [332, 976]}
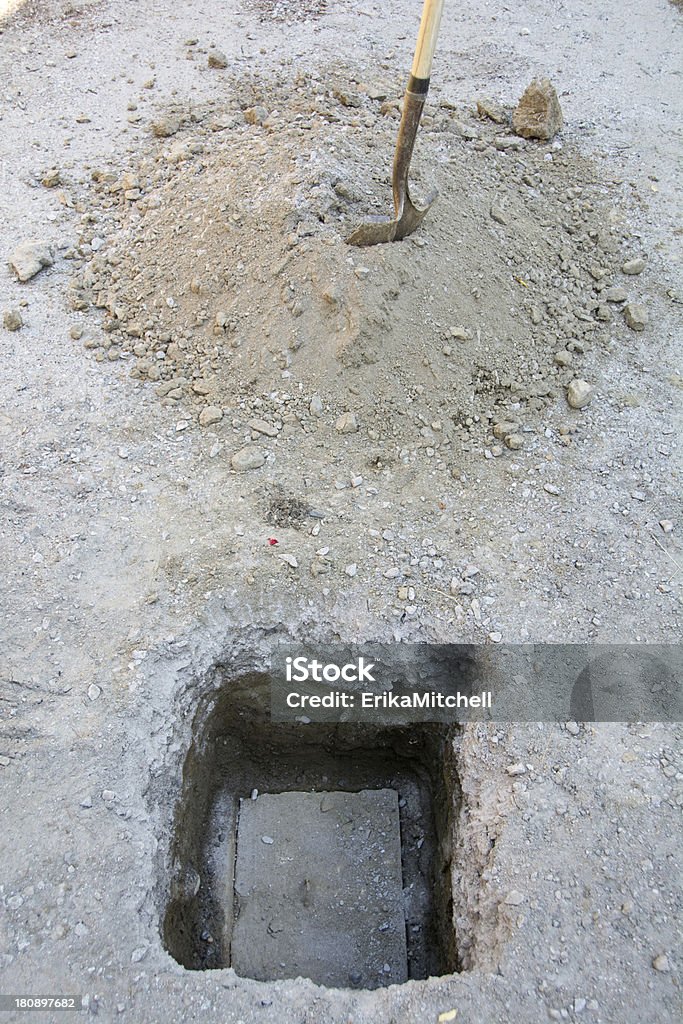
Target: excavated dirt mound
{"type": "Point", "coordinates": [220, 263]}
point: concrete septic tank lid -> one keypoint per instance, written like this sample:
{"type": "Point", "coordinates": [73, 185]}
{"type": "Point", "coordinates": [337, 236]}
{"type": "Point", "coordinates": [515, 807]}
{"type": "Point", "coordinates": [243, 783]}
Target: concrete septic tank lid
{"type": "Point", "coordinates": [319, 889]}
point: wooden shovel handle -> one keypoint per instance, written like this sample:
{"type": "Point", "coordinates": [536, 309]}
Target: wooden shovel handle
{"type": "Point", "coordinates": [426, 41]}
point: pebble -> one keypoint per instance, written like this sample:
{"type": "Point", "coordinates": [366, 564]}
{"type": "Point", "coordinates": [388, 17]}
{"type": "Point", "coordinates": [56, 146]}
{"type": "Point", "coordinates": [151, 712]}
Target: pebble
{"type": "Point", "coordinates": [316, 406]}
{"type": "Point", "coordinates": [255, 115]}
{"type": "Point", "coordinates": [514, 442]}
{"type": "Point", "coordinates": [579, 394]}
{"type": "Point", "coordinates": [51, 178]}
{"type": "Point", "coordinates": [573, 728]}
{"type": "Point", "coordinates": [290, 560]}
{"type": "Point", "coordinates": [661, 963]}
{"type": "Point", "coordinates": [263, 427]}
{"type": "Point", "coordinates": [516, 769]}
{"type": "Point", "coordinates": [247, 458]}
{"type": "Point", "coordinates": [94, 691]}
{"type": "Point", "coordinates": [268, 840]}
{"type": "Point", "coordinates": [12, 320]}
{"type": "Point", "coordinates": [217, 59]}
{"type": "Point", "coordinates": [615, 294]}
{"type": "Point", "coordinates": [492, 110]}
{"type": "Point", "coordinates": [563, 358]}
{"type": "Point", "coordinates": [498, 214]}
{"type": "Point", "coordinates": [636, 316]}
{"type": "Point", "coordinates": [29, 258]}
{"type": "Point", "coordinates": [138, 954]}
{"type": "Point", "coordinates": [212, 414]}
{"type": "Point", "coordinates": [86, 802]}
{"type": "Point", "coordinates": [495, 636]}
{"type": "Point", "coordinates": [514, 898]}
{"type": "Point", "coordinates": [347, 423]}
{"type": "Point", "coordinates": [634, 266]}
{"type": "Point", "coordinates": [551, 489]}
{"type": "Point", "coordinates": [351, 570]}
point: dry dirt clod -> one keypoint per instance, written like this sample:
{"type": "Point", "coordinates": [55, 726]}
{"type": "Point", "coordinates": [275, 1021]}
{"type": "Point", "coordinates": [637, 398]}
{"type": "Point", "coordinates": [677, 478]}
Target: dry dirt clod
{"type": "Point", "coordinates": [247, 458]}
{"type": "Point", "coordinates": [487, 108]}
{"type": "Point", "coordinates": [634, 266]}
{"type": "Point", "coordinates": [212, 414]}
{"type": "Point", "coordinates": [217, 59]}
{"type": "Point", "coordinates": [579, 394]}
{"type": "Point", "coordinates": [347, 423]}
{"type": "Point", "coordinates": [30, 257]}
{"type": "Point", "coordinates": [538, 114]}
{"type": "Point", "coordinates": [636, 316]}
{"type": "Point", "coordinates": [12, 320]}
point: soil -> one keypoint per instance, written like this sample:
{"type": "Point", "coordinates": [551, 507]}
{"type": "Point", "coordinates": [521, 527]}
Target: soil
{"type": "Point", "coordinates": [223, 426]}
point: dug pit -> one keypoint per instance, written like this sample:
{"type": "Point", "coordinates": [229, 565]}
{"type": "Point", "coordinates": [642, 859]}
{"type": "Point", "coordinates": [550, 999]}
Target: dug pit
{"type": "Point", "coordinates": [321, 851]}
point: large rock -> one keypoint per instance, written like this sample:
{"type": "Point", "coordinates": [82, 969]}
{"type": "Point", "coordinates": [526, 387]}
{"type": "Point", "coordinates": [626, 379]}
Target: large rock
{"type": "Point", "coordinates": [29, 258]}
{"type": "Point", "coordinates": [538, 114]}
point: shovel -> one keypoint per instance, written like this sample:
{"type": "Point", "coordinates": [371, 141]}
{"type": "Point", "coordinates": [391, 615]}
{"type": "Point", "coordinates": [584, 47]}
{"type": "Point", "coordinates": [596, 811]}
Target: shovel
{"type": "Point", "coordinates": [407, 216]}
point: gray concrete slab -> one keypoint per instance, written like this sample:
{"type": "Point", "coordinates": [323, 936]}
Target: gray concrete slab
{"type": "Point", "coordinates": [319, 889]}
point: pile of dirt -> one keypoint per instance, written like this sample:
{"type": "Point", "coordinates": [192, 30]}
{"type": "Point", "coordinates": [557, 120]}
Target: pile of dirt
{"type": "Point", "coordinates": [219, 261]}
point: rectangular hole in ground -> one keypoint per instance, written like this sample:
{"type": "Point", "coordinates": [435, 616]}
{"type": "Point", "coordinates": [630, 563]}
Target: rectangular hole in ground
{"type": "Point", "coordinates": [340, 869]}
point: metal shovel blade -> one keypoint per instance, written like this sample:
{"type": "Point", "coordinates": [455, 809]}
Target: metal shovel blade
{"type": "Point", "coordinates": [407, 216]}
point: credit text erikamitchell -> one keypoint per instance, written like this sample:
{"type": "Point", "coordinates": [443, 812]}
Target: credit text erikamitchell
{"type": "Point", "coordinates": [429, 700]}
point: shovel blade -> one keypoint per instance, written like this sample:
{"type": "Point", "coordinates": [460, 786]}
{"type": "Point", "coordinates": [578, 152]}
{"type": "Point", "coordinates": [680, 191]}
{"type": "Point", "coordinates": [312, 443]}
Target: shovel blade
{"type": "Point", "coordinates": [383, 229]}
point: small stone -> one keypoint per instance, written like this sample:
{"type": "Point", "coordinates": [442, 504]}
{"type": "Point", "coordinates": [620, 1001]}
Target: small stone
{"type": "Point", "coordinates": [666, 525]}
{"type": "Point", "coordinates": [538, 114]}
{"type": "Point", "coordinates": [460, 334]}
{"type": "Point", "coordinates": [636, 316]}
{"type": "Point", "coordinates": [551, 489]}
{"type": "Point", "coordinates": [94, 691]}
{"type": "Point", "coordinates": [290, 560]}
{"type": "Point", "coordinates": [247, 458]}
{"type": "Point", "coordinates": [514, 442]}
{"type": "Point", "coordinates": [255, 115]}
{"type": "Point", "coordinates": [495, 636]}
{"type": "Point", "coordinates": [502, 429]}
{"type": "Point", "coordinates": [200, 387]}
{"type": "Point", "coordinates": [138, 954]}
{"type": "Point", "coordinates": [573, 728]}
{"type": "Point", "coordinates": [498, 214]}
{"type": "Point", "coordinates": [614, 294]}
{"type": "Point", "coordinates": [661, 963]}
{"type": "Point", "coordinates": [563, 358]}
{"type": "Point", "coordinates": [351, 570]}
{"type": "Point", "coordinates": [51, 178]}
{"type": "Point", "coordinates": [217, 59]}
{"type": "Point", "coordinates": [579, 394]}
{"type": "Point", "coordinates": [316, 406]}
{"type": "Point", "coordinates": [268, 840]}
{"type": "Point", "coordinates": [489, 108]}
{"type": "Point", "coordinates": [109, 796]}
{"type": "Point", "coordinates": [212, 414]}
{"type": "Point", "coordinates": [634, 266]}
{"type": "Point", "coordinates": [516, 769]}
{"type": "Point", "coordinates": [166, 126]}
{"type": "Point", "coordinates": [86, 802]}
{"type": "Point", "coordinates": [579, 1005]}
{"type": "Point", "coordinates": [12, 320]}
{"type": "Point", "coordinates": [76, 332]}
{"type": "Point", "coordinates": [514, 898]}
{"type": "Point", "coordinates": [29, 258]}
{"type": "Point", "coordinates": [263, 427]}
{"type": "Point", "coordinates": [347, 423]}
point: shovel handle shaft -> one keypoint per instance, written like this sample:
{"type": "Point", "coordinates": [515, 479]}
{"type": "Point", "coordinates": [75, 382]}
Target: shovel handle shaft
{"type": "Point", "coordinates": [426, 40]}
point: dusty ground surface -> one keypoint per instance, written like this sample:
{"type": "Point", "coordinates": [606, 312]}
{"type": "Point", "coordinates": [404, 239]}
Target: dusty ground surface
{"type": "Point", "coordinates": [202, 271]}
